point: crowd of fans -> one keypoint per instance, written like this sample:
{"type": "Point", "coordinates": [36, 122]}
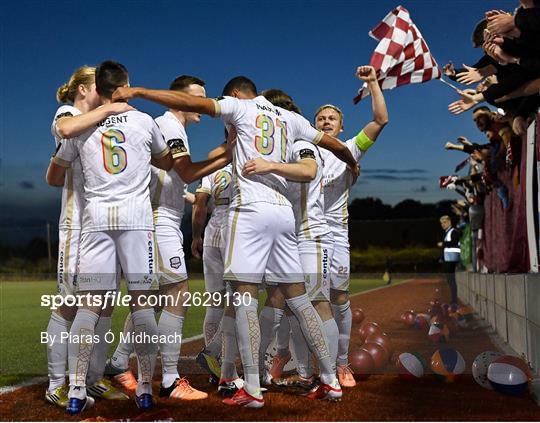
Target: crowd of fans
{"type": "Point", "coordinates": [507, 78]}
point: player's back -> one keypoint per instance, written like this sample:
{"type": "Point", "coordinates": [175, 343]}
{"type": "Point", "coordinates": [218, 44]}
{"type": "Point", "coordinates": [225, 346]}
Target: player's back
{"type": "Point", "coordinates": [116, 165]}
{"type": "Point", "coordinates": [264, 131]}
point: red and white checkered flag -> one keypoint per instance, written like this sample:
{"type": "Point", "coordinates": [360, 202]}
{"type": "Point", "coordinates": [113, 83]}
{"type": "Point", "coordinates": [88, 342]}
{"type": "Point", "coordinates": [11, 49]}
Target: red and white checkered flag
{"type": "Point", "coordinates": [402, 56]}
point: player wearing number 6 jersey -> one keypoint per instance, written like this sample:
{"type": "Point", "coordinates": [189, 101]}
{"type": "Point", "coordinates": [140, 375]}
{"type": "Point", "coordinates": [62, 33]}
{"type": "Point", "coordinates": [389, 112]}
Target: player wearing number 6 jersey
{"type": "Point", "coordinates": [337, 183]}
{"type": "Point", "coordinates": [261, 242]}
{"type": "Point", "coordinates": [70, 120]}
{"type": "Point", "coordinates": [117, 223]}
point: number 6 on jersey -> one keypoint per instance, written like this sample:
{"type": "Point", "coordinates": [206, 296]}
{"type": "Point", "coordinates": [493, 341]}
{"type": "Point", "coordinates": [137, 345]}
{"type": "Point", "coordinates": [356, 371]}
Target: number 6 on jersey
{"type": "Point", "coordinates": [114, 156]}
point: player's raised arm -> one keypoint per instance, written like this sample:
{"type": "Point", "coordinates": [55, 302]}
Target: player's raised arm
{"type": "Point", "coordinates": [173, 99]}
{"type": "Point", "coordinates": [380, 113]}
{"type": "Point", "coordinates": [60, 162]}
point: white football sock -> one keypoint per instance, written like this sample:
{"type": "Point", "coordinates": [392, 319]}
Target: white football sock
{"type": "Point", "coordinates": [343, 317]}
{"type": "Point", "coordinates": [212, 320]}
{"type": "Point", "coordinates": [99, 354]}
{"type": "Point", "coordinates": [230, 349]}
{"type": "Point", "coordinates": [79, 349]}
{"type": "Point", "coordinates": [312, 328]}
{"type": "Point", "coordinates": [332, 335]}
{"type": "Point", "coordinates": [57, 350]}
{"type": "Point", "coordinates": [304, 365]}
{"type": "Point", "coordinates": [144, 325]}
{"type": "Point", "coordinates": [269, 322]}
{"type": "Point", "coordinates": [248, 333]}
{"type": "Point", "coordinates": [120, 358]}
{"type": "Point", "coordinates": [170, 325]}
{"type": "Point", "coordinates": [283, 337]}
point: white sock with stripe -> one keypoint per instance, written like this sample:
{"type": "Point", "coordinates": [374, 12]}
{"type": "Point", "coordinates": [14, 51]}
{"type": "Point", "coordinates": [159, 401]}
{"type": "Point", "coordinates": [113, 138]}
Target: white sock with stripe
{"type": "Point", "coordinates": [170, 326]}
{"type": "Point", "coordinates": [343, 317]}
{"type": "Point", "coordinates": [120, 358]}
{"type": "Point", "coordinates": [269, 322]}
{"type": "Point", "coordinates": [99, 353]}
{"type": "Point", "coordinates": [57, 351]}
{"type": "Point", "coordinates": [144, 326]}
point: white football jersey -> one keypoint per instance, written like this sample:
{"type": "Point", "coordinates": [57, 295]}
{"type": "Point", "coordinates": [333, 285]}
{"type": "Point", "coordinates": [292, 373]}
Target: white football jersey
{"type": "Point", "coordinates": [73, 189]}
{"type": "Point", "coordinates": [307, 197]}
{"type": "Point", "coordinates": [337, 182]}
{"type": "Point", "coordinates": [167, 189]}
{"type": "Point", "coordinates": [115, 160]}
{"type": "Point", "coordinates": [219, 186]}
{"type": "Point", "coordinates": [264, 131]}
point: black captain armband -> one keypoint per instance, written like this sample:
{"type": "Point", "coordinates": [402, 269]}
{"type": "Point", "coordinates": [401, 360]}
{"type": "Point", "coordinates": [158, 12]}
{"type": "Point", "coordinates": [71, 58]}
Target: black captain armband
{"type": "Point", "coordinates": [306, 153]}
{"type": "Point", "coordinates": [65, 114]}
{"type": "Point", "coordinates": [177, 146]}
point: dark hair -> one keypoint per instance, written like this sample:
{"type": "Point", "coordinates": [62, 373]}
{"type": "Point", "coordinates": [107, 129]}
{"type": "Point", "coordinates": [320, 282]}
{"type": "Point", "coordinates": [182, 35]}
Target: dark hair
{"type": "Point", "coordinates": [482, 108]}
{"type": "Point", "coordinates": [109, 76]}
{"type": "Point", "coordinates": [478, 33]}
{"type": "Point", "coordinates": [184, 81]}
{"type": "Point", "coordinates": [281, 99]}
{"type": "Point", "coordinates": [240, 83]}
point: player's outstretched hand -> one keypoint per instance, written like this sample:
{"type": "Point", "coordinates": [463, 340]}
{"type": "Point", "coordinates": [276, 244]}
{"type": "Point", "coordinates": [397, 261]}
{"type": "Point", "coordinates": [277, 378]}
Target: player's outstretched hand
{"type": "Point", "coordinates": [197, 247]}
{"type": "Point", "coordinates": [123, 94]}
{"type": "Point", "coordinates": [256, 167]}
{"type": "Point", "coordinates": [366, 73]}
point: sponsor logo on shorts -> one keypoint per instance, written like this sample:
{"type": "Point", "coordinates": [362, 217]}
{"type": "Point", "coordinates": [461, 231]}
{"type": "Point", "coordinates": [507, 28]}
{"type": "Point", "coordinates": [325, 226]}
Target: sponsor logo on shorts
{"type": "Point", "coordinates": [325, 262]}
{"type": "Point", "coordinates": [175, 262]}
{"type": "Point", "coordinates": [61, 268]}
{"type": "Point", "coordinates": [150, 257]}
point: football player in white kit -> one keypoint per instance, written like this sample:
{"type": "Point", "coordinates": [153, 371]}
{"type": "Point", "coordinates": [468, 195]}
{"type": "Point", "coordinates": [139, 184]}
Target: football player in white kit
{"type": "Point", "coordinates": [337, 183]}
{"type": "Point", "coordinates": [167, 190]}
{"type": "Point", "coordinates": [261, 241]}
{"type": "Point", "coordinates": [315, 245]}
{"type": "Point", "coordinates": [78, 113]}
{"type": "Point", "coordinates": [117, 223]}
{"type": "Point", "coordinates": [215, 191]}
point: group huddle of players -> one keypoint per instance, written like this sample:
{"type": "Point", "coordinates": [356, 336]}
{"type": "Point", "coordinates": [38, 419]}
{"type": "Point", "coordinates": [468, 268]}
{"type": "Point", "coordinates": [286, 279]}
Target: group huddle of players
{"type": "Point", "coordinates": [278, 191]}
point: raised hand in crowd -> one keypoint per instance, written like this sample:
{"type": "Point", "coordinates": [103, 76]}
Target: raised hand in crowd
{"type": "Point", "coordinates": [470, 76]}
{"type": "Point", "coordinates": [502, 23]}
{"type": "Point", "coordinates": [449, 70]}
{"type": "Point", "coordinates": [468, 101]}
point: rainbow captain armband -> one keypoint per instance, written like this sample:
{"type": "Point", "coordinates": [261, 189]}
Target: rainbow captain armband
{"type": "Point", "coordinates": [363, 142]}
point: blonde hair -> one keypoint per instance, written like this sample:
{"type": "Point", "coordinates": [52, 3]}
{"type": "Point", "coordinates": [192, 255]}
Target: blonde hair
{"type": "Point", "coordinates": [85, 75]}
{"type": "Point", "coordinates": [329, 106]}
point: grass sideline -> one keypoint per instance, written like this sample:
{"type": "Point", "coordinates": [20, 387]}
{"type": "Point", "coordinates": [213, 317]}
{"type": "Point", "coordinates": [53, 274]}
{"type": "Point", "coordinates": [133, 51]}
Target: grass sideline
{"type": "Point", "coordinates": [23, 356]}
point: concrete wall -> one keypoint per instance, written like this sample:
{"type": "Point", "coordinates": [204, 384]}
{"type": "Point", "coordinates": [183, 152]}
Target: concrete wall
{"type": "Point", "coordinates": [511, 306]}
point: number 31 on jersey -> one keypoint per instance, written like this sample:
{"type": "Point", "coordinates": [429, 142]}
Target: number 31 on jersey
{"type": "Point", "coordinates": [265, 142]}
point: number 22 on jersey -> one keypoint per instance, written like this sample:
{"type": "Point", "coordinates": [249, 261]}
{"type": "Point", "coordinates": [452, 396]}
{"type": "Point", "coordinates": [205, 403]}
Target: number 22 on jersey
{"type": "Point", "coordinates": [265, 142]}
{"type": "Point", "coordinates": [114, 156]}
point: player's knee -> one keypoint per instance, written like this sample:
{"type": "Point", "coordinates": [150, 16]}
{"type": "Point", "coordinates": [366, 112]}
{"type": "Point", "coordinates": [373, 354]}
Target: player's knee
{"type": "Point", "coordinates": [338, 297]}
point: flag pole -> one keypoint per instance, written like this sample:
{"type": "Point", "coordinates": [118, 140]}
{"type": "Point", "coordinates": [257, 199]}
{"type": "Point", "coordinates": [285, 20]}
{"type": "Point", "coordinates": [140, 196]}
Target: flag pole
{"type": "Point", "coordinates": [449, 84]}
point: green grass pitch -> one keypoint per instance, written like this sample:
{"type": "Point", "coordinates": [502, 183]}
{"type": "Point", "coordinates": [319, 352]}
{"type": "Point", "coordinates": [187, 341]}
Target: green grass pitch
{"type": "Point", "coordinates": [23, 356]}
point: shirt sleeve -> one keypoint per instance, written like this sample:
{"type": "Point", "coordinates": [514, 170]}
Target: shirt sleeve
{"type": "Point", "coordinates": [302, 130]}
{"type": "Point", "coordinates": [302, 150]}
{"type": "Point", "coordinates": [229, 109]}
{"type": "Point", "coordinates": [359, 145]}
{"type": "Point", "coordinates": [63, 111]}
{"type": "Point", "coordinates": [205, 186]}
{"type": "Point", "coordinates": [159, 148]}
{"type": "Point", "coordinates": [66, 152]}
